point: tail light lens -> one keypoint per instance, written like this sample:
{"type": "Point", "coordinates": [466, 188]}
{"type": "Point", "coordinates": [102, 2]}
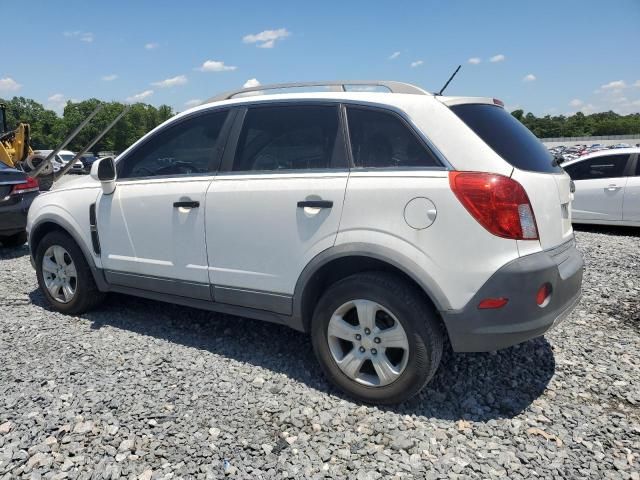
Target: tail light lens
{"type": "Point", "coordinates": [31, 185]}
{"type": "Point", "coordinates": [498, 203]}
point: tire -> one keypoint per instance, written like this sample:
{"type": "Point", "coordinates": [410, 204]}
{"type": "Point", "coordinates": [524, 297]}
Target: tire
{"type": "Point", "coordinates": [401, 304]}
{"type": "Point", "coordinates": [14, 241]}
{"type": "Point", "coordinates": [86, 295]}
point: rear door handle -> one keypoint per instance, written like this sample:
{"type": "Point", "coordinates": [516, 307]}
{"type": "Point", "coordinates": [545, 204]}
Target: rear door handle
{"type": "Point", "coordinates": [315, 204]}
{"type": "Point", "coordinates": [186, 204]}
{"type": "Point", "coordinates": [612, 188]}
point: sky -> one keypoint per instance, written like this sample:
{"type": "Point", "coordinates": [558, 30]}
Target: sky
{"type": "Point", "coordinates": [547, 57]}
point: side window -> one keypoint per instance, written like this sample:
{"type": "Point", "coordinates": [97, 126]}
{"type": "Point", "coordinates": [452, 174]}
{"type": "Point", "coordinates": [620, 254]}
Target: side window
{"type": "Point", "coordinates": [381, 139]}
{"type": "Point", "coordinates": [609, 166]}
{"type": "Point", "coordinates": [638, 165]}
{"type": "Point", "coordinates": [186, 148]}
{"type": "Point", "coordinates": [289, 138]}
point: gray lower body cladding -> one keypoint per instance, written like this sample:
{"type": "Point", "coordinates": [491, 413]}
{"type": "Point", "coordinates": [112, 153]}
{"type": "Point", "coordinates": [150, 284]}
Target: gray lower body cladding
{"type": "Point", "coordinates": [480, 330]}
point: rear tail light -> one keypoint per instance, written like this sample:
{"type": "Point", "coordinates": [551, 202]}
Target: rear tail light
{"type": "Point", "coordinates": [31, 185]}
{"type": "Point", "coordinates": [498, 203]}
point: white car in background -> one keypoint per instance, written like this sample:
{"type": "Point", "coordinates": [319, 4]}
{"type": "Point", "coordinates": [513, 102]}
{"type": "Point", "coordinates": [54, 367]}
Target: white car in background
{"type": "Point", "coordinates": [61, 159]}
{"type": "Point", "coordinates": [607, 187]}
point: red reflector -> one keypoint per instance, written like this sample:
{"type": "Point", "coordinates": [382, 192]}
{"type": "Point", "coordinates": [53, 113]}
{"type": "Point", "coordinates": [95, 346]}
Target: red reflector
{"type": "Point", "coordinates": [498, 203]}
{"type": "Point", "coordinates": [493, 303]}
{"type": "Point", "coordinates": [543, 295]}
{"type": "Point", "coordinates": [31, 185]}
{"type": "Point", "coordinates": [500, 103]}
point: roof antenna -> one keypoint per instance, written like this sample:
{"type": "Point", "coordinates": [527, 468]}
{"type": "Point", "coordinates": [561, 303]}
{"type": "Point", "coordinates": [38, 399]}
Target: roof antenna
{"type": "Point", "coordinates": [448, 81]}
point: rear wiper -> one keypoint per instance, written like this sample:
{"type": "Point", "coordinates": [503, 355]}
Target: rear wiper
{"type": "Point", "coordinates": [557, 160]}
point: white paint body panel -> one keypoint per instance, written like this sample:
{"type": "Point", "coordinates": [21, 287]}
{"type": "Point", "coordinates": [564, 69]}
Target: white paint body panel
{"type": "Point", "coordinates": [258, 238]}
{"type": "Point", "coordinates": [631, 204]}
{"type": "Point", "coordinates": [141, 232]}
{"type": "Point", "coordinates": [599, 199]}
{"type": "Point", "coordinates": [454, 256]}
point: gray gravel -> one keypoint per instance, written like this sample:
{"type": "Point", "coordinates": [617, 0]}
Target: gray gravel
{"type": "Point", "coordinates": [141, 389]}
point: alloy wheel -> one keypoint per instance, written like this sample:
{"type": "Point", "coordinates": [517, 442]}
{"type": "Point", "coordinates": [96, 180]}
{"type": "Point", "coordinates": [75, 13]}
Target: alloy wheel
{"type": "Point", "coordinates": [368, 343]}
{"type": "Point", "coordinates": [59, 274]}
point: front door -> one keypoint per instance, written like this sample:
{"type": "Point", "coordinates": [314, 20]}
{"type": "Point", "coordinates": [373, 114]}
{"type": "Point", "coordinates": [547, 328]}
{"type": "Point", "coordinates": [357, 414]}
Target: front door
{"type": "Point", "coordinates": [152, 228]}
{"type": "Point", "coordinates": [277, 205]}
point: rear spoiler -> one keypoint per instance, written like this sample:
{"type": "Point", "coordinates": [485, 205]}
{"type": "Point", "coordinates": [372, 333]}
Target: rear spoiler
{"type": "Point", "coordinates": [451, 101]}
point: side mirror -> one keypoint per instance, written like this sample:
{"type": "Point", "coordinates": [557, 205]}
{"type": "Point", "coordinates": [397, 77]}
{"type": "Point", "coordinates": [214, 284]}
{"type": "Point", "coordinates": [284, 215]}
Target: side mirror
{"type": "Point", "coordinates": [104, 170]}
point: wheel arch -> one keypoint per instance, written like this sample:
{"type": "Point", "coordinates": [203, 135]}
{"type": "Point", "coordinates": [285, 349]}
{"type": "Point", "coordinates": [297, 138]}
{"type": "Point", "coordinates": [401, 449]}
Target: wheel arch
{"type": "Point", "coordinates": [339, 262]}
{"type": "Point", "coordinates": [55, 223]}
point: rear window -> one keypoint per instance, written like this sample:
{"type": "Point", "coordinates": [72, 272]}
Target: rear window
{"type": "Point", "coordinates": [507, 137]}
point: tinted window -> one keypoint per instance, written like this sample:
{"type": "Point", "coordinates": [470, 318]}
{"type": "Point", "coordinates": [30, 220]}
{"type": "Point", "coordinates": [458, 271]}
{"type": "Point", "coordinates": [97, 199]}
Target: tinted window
{"type": "Point", "coordinates": [188, 147]}
{"type": "Point", "coordinates": [381, 139]}
{"type": "Point", "coordinates": [288, 138]}
{"type": "Point", "coordinates": [609, 166]}
{"type": "Point", "coordinates": [638, 166]}
{"type": "Point", "coordinates": [507, 137]}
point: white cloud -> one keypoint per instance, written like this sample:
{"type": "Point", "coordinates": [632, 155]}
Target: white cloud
{"type": "Point", "coordinates": [474, 60]}
{"type": "Point", "coordinates": [576, 102]}
{"type": "Point", "coordinates": [8, 84]}
{"type": "Point", "coordinates": [57, 102]}
{"type": "Point", "coordinates": [192, 103]}
{"type": "Point", "coordinates": [266, 38]}
{"type": "Point", "coordinates": [497, 58]}
{"type": "Point", "coordinates": [417, 63]}
{"type": "Point", "coordinates": [395, 55]}
{"type": "Point", "coordinates": [615, 85]}
{"type": "Point", "coordinates": [637, 84]}
{"type": "Point", "coordinates": [86, 37]}
{"type": "Point", "coordinates": [215, 66]}
{"type": "Point", "coordinates": [252, 82]}
{"type": "Point", "coordinates": [151, 45]}
{"type": "Point", "coordinates": [171, 82]}
{"type": "Point", "coordinates": [530, 77]}
{"type": "Point", "coordinates": [140, 96]}
{"type": "Point", "coordinates": [109, 78]}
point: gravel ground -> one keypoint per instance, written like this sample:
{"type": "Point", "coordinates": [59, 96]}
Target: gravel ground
{"type": "Point", "coordinates": [141, 389]}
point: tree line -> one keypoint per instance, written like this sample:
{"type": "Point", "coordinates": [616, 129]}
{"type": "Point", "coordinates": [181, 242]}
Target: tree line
{"type": "Point", "coordinates": [49, 129]}
{"type": "Point", "coordinates": [579, 124]}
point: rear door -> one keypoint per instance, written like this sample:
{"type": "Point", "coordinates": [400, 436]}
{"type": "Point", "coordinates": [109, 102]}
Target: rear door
{"type": "Point", "coordinates": [277, 204]}
{"type": "Point", "coordinates": [600, 187]}
{"type": "Point", "coordinates": [631, 204]}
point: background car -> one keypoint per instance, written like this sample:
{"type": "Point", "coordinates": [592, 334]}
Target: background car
{"type": "Point", "coordinates": [61, 159]}
{"type": "Point", "coordinates": [607, 187]}
{"type": "Point", "coordinates": [17, 191]}
{"type": "Point", "coordinates": [87, 160]}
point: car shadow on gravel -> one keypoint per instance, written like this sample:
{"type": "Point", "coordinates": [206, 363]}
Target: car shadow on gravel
{"type": "Point", "coordinates": [477, 387]}
{"type": "Point", "coordinates": [620, 231]}
{"type": "Point", "coordinates": [10, 253]}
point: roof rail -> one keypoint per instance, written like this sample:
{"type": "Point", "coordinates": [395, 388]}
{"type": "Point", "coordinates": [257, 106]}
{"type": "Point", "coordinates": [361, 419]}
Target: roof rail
{"type": "Point", "coordinates": [336, 86]}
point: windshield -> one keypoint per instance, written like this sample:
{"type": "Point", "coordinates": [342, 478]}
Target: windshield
{"type": "Point", "coordinates": [507, 137]}
{"type": "Point", "coordinates": [66, 157]}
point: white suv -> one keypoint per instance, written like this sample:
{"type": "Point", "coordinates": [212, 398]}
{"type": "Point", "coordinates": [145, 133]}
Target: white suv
{"type": "Point", "coordinates": [383, 223]}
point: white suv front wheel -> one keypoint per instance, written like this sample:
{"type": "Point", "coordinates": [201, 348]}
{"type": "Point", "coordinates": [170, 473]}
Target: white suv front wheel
{"type": "Point", "coordinates": [64, 275]}
{"type": "Point", "coordinates": [376, 337]}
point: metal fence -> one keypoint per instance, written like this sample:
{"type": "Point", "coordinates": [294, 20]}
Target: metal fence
{"type": "Point", "coordinates": [593, 139]}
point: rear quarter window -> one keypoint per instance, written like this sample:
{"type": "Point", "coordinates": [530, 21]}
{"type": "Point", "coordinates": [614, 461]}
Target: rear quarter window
{"type": "Point", "coordinates": [507, 137]}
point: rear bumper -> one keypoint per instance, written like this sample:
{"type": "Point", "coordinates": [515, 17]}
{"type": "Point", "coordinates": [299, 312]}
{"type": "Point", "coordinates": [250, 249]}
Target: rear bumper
{"type": "Point", "coordinates": [13, 214]}
{"type": "Point", "coordinates": [474, 330]}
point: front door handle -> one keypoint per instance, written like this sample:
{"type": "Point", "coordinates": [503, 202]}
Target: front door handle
{"type": "Point", "coordinates": [186, 204]}
{"type": "Point", "coordinates": [315, 204]}
{"type": "Point", "coordinates": [612, 188]}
